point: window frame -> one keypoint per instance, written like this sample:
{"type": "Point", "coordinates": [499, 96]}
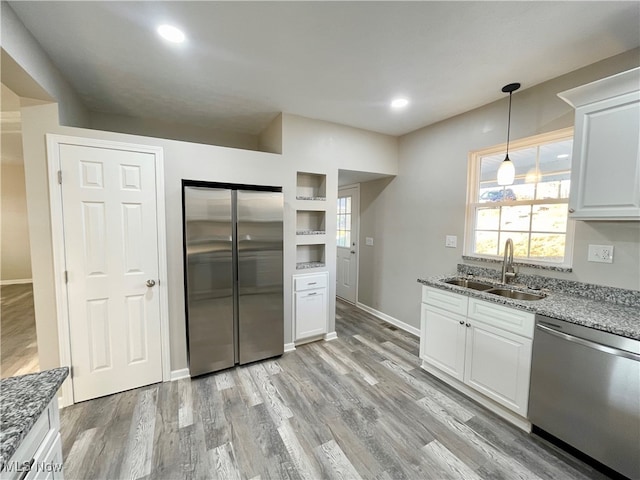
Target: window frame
{"type": "Point", "coordinates": [473, 187]}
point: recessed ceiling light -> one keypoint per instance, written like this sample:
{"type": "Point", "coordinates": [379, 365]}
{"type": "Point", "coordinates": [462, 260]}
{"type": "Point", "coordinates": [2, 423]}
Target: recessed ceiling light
{"type": "Point", "coordinates": [399, 103]}
{"type": "Point", "coordinates": [171, 33]}
{"type": "Point", "coordinates": [563, 155]}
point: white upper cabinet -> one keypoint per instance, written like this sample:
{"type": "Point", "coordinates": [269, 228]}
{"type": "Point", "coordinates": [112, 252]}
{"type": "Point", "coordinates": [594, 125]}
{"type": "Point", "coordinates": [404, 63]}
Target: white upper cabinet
{"type": "Point", "coordinates": [605, 173]}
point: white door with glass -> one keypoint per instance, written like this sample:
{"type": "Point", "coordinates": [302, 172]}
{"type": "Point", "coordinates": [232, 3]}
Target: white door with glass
{"type": "Point", "coordinates": [347, 243]}
{"type": "Point", "coordinates": [111, 251]}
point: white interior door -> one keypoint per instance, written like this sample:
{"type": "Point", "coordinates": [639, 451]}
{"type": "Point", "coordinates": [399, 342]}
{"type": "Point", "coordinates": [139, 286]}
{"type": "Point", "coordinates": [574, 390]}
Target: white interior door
{"type": "Point", "coordinates": [347, 243]}
{"type": "Point", "coordinates": [111, 252]}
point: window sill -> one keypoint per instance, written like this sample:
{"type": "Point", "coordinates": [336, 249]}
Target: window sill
{"type": "Point", "coordinates": [555, 268]}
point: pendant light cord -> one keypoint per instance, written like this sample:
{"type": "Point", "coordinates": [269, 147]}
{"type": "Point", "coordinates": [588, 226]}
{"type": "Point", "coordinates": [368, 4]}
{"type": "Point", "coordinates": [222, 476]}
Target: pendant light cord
{"type": "Point", "coordinates": [509, 124]}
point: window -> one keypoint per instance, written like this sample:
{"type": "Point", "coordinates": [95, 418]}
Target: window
{"type": "Point", "coordinates": [343, 237]}
{"type": "Point", "coordinates": [533, 211]}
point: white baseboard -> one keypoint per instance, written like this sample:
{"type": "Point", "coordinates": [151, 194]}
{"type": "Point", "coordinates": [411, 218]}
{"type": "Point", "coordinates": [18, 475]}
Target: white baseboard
{"type": "Point", "coordinates": [330, 336]}
{"type": "Point", "coordinates": [389, 319]}
{"type": "Point", "coordinates": [289, 347]}
{"type": "Point", "coordinates": [179, 374]}
{"type": "Point", "coordinates": [18, 281]}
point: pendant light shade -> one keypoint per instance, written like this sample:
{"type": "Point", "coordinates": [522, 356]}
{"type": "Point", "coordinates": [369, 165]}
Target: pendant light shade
{"type": "Point", "coordinates": [507, 170]}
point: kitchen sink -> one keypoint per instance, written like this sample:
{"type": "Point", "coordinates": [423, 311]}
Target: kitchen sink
{"type": "Point", "coordinates": [505, 292]}
{"type": "Point", "coordinates": [472, 284]}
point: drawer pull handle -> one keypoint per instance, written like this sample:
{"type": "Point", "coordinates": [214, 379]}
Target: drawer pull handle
{"type": "Point", "coordinates": [468, 325]}
{"type": "Point", "coordinates": [27, 470]}
{"type": "Point", "coordinates": [309, 294]}
{"type": "Point", "coordinates": [312, 283]}
{"type": "Point", "coordinates": [461, 322]}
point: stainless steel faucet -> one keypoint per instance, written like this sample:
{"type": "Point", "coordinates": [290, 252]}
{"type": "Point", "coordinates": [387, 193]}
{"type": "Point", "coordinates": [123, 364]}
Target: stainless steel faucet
{"type": "Point", "coordinates": [508, 271]}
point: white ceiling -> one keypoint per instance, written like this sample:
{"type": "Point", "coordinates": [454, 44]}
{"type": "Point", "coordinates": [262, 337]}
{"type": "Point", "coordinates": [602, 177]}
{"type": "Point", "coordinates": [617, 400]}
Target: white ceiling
{"type": "Point", "coordinates": [338, 61]}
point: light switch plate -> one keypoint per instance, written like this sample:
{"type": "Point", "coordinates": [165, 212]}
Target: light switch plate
{"type": "Point", "coordinates": [451, 241]}
{"type": "Point", "coordinates": [600, 253]}
{"type": "Point", "coordinates": [368, 241]}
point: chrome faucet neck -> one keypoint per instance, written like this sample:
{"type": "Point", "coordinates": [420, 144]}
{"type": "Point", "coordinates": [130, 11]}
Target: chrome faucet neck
{"type": "Point", "coordinates": [507, 263]}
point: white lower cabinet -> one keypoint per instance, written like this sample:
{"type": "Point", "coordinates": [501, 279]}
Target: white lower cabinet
{"type": "Point", "coordinates": [39, 455]}
{"type": "Point", "coordinates": [487, 349]}
{"type": "Point", "coordinates": [442, 340]}
{"type": "Point", "coordinates": [310, 305]}
{"type": "Point", "coordinates": [498, 365]}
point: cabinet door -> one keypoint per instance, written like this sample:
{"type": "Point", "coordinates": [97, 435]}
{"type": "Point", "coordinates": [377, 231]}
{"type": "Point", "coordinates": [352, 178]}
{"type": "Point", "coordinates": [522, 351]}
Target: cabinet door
{"type": "Point", "coordinates": [498, 364]}
{"type": "Point", "coordinates": [605, 177]}
{"type": "Point", "coordinates": [442, 339]}
{"type": "Point", "coordinates": [49, 465]}
{"type": "Point", "coordinates": [311, 313]}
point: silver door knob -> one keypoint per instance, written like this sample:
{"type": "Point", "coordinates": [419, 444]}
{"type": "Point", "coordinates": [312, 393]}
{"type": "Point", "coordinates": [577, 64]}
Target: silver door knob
{"type": "Point", "coordinates": [572, 210]}
{"type": "Point", "coordinates": [151, 283]}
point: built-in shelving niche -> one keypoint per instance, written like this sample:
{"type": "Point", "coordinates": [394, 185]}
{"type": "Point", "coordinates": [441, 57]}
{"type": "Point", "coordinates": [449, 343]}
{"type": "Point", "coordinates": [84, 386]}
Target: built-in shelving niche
{"type": "Point", "coordinates": [311, 186]}
{"type": "Point", "coordinates": [310, 256]}
{"type": "Point", "coordinates": [310, 222]}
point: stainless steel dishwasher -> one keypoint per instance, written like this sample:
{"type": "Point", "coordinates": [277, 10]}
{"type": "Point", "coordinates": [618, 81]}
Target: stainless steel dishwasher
{"type": "Point", "coordinates": [585, 390]}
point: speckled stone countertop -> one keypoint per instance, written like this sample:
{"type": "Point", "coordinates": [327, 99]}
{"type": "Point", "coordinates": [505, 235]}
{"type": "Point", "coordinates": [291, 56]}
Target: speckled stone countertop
{"type": "Point", "coordinates": [561, 302]}
{"type": "Point", "coordinates": [307, 265]}
{"type": "Point", "coordinates": [22, 401]}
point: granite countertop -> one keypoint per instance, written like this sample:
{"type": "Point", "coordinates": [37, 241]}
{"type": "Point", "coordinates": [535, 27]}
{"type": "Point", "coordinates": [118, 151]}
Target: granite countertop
{"type": "Point", "coordinates": [610, 317]}
{"type": "Point", "coordinates": [22, 401]}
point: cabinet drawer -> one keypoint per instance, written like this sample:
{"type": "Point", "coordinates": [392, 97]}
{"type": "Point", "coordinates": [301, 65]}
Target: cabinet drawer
{"type": "Point", "coordinates": [506, 318]}
{"type": "Point", "coordinates": [452, 302]}
{"type": "Point", "coordinates": [307, 282]}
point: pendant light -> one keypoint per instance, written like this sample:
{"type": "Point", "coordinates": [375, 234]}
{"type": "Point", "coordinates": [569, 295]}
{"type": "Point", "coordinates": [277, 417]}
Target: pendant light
{"type": "Point", "coordinates": [507, 171]}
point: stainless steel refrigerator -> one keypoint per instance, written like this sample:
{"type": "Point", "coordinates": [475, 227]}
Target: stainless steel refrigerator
{"type": "Point", "coordinates": [233, 254]}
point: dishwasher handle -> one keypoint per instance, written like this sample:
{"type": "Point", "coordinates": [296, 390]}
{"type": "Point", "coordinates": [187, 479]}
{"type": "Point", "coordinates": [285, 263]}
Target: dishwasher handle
{"type": "Point", "coordinates": [587, 343]}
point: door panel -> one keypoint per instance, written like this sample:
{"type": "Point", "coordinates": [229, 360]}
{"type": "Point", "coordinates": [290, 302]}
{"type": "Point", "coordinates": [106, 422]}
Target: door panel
{"type": "Point", "coordinates": [498, 365]}
{"type": "Point", "coordinates": [137, 351]}
{"type": "Point", "coordinates": [443, 340]}
{"type": "Point", "coordinates": [311, 313]}
{"type": "Point", "coordinates": [347, 244]}
{"type": "Point", "coordinates": [209, 271]}
{"type": "Point", "coordinates": [260, 271]}
{"type": "Point", "coordinates": [111, 250]}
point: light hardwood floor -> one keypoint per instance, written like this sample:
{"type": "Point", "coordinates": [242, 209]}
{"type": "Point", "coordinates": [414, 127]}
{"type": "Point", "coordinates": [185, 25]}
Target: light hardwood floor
{"type": "Point", "coordinates": [356, 407]}
{"type": "Point", "coordinates": [18, 345]}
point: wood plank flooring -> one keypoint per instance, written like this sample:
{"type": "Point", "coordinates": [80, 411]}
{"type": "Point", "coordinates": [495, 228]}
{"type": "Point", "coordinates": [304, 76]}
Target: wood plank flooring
{"type": "Point", "coordinates": [358, 407]}
{"type": "Point", "coordinates": [18, 345]}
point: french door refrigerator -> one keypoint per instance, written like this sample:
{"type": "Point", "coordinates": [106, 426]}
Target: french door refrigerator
{"type": "Point", "coordinates": [233, 274]}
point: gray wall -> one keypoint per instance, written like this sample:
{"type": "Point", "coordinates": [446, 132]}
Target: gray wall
{"type": "Point", "coordinates": [151, 127]}
{"type": "Point", "coordinates": [15, 263]}
{"type": "Point", "coordinates": [410, 216]}
{"type": "Point", "coordinates": [196, 162]}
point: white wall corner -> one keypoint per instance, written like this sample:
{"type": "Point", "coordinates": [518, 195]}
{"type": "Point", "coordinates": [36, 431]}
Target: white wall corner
{"type": "Point", "coordinates": [389, 319]}
{"type": "Point", "coordinates": [289, 347]}
{"type": "Point", "coordinates": [330, 336]}
{"type": "Point", "coordinates": [179, 374]}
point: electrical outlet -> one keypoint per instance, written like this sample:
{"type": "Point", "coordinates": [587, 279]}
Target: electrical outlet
{"type": "Point", "coordinates": [600, 253]}
{"type": "Point", "coordinates": [451, 241]}
{"type": "Point", "coordinates": [368, 241]}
